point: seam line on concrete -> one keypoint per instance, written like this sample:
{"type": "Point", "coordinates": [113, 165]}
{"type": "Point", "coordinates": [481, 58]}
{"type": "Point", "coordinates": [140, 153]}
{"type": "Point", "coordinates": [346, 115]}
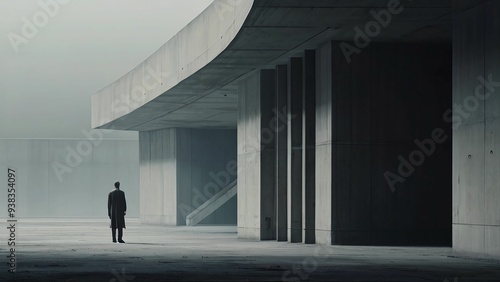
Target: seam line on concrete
{"type": "Point", "coordinates": [476, 224]}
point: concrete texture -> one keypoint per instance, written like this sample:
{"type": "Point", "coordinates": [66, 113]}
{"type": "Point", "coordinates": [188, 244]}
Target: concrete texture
{"type": "Point", "coordinates": [324, 157]}
{"type": "Point", "coordinates": [79, 186]}
{"type": "Point", "coordinates": [372, 124]}
{"type": "Point", "coordinates": [476, 220]}
{"type": "Point", "coordinates": [158, 177]}
{"type": "Point", "coordinates": [231, 39]}
{"type": "Point", "coordinates": [180, 169]}
{"type": "Point", "coordinates": [309, 152]}
{"type": "Point", "coordinates": [213, 204]}
{"type": "Point", "coordinates": [221, 72]}
{"type": "Point", "coordinates": [81, 250]}
{"type": "Point", "coordinates": [257, 157]}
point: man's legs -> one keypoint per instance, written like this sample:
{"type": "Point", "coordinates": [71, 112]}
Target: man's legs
{"type": "Point", "coordinates": [113, 230]}
{"type": "Point", "coordinates": [120, 235]}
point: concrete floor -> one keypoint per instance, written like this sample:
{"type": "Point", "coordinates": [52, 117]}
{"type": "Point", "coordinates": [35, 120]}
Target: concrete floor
{"type": "Point", "coordinates": [81, 250]}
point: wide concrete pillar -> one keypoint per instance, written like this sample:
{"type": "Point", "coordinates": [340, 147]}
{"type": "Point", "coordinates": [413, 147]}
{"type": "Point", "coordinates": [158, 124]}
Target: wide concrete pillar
{"type": "Point", "coordinates": [309, 141]}
{"type": "Point", "coordinates": [476, 124]}
{"type": "Point", "coordinates": [257, 156]}
{"type": "Point", "coordinates": [163, 154]}
{"type": "Point", "coordinates": [295, 149]}
{"type": "Point", "coordinates": [281, 153]}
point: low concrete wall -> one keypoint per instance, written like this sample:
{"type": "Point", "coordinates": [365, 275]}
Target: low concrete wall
{"type": "Point", "coordinates": [69, 178]}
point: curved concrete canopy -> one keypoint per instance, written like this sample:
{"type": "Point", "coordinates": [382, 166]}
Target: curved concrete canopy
{"type": "Point", "coordinates": [190, 81]}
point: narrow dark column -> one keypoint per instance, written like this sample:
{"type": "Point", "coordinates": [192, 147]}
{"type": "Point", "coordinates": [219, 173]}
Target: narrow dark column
{"type": "Point", "coordinates": [267, 155]}
{"type": "Point", "coordinates": [281, 152]}
{"type": "Point", "coordinates": [309, 152]}
{"type": "Point", "coordinates": [295, 148]}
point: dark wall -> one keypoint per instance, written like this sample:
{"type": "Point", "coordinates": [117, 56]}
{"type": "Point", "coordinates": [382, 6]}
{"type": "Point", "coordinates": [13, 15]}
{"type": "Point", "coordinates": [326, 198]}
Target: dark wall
{"type": "Point", "coordinates": [388, 97]}
{"type": "Point", "coordinates": [211, 153]}
{"type": "Point", "coordinates": [462, 5]}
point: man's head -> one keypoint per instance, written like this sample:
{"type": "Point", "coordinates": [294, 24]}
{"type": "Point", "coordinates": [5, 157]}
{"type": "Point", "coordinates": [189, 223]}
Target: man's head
{"type": "Point", "coordinates": [117, 185]}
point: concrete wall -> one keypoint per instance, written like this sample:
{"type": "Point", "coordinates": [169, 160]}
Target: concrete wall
{"type": "Point", "coordinates": [69, 178]}
{"type": "Point", "coordinates": [476, 118]}
{"type": "Point", "coordinates": [369, 113]}
{"type": "Point", "coordinates": [182, 168]}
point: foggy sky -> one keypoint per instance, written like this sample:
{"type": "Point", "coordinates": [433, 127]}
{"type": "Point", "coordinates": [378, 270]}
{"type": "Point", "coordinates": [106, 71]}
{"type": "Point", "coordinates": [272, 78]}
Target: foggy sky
{"type": "Point", "coordinates": [45, 88]}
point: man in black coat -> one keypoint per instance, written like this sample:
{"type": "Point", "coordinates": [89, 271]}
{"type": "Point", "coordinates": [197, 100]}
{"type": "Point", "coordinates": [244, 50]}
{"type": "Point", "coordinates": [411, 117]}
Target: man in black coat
{"type": "Point", "coordinates": [117, 207]}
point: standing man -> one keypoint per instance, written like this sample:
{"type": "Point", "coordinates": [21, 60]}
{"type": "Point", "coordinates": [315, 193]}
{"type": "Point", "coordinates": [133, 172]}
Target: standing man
{"type": "Point", "coordinates": [117, 206]}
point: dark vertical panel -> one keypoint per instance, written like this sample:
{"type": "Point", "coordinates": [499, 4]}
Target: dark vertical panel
{"type": "Point", "coordinates": [268, 154]}
{"type": "Point", "coordinates": [388, 96]}
{"type": "Point", "coordinates": [295, 147]}
{"type": "Point", "coordinates": [281, 152]}
{"type": "Point", "coordinates": [352, 147]}
{"type": "Point", "coordinates": [492, 142]}
{"type": "Point", "coordinates": [385, 92]}
{"type": "Point", "coordinates": [360, 148]}
{"type": "Point", "coordinates": [309, 152]}
{"type": "Point", "coordinates": [492, 59]}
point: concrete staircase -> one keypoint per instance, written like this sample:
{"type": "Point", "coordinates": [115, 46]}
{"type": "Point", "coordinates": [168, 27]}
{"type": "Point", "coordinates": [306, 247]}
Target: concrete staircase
{"type": "Point", "coordinates": [212, 204]}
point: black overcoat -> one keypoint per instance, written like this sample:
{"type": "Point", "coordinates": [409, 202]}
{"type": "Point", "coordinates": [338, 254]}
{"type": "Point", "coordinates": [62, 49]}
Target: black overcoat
{"type": "Point", "coordinates": [117, 206]}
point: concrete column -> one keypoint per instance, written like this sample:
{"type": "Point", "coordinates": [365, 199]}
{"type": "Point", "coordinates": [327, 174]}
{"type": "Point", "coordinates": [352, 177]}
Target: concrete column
{"type": "Point", "coordinates": [295, 149]}
{"type": "Point", "coordinates": [281, 152]}
{"type": "Point", "coordinates": [476, 149]}
{"type": "Point", "coordinates": [323, 160]}
{"type": "Point", "coordinates": [158, 169]}
{"type": "Point", "coordinates": [492, 128]}
{"type": "Point", "coordinates": [257, 156]}
{"type": "Point", "coordinates": [309, 141]}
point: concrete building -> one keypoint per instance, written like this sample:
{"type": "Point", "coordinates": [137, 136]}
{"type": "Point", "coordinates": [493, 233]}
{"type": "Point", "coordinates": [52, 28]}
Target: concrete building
{"type": "Point", "coordinates": [343, 122]}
